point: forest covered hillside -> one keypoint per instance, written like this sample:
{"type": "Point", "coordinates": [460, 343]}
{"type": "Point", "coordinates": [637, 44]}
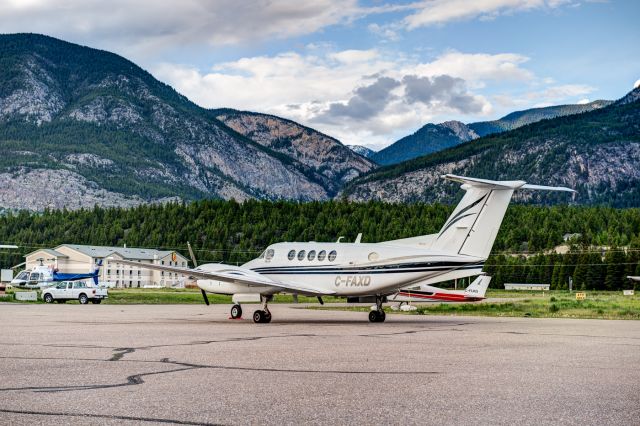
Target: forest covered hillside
{"type": "Point", "coordinates": [237, 232]}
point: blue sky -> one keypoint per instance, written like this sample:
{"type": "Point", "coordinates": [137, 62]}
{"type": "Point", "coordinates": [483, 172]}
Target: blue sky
{"type": "Point", "coordinates": [366, 72]}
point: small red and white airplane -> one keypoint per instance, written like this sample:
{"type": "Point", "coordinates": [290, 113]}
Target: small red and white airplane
{"type": "Point", "coordinates": [425, 293]}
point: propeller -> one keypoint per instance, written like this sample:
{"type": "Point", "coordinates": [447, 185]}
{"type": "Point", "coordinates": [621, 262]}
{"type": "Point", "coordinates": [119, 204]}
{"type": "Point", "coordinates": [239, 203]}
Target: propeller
{"type": "Point", "coordinates": [195, 264]}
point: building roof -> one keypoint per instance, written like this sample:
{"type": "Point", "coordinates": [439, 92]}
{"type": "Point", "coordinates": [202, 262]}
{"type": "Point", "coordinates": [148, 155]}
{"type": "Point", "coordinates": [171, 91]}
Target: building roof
{"type": "Point", "coordinates": [125, 252]}
{"type": "Point", "coordinates": [50, 252]}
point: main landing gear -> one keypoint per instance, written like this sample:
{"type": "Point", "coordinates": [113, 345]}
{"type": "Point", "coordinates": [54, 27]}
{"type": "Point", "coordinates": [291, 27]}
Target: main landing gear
{"type": "Point", "coordinates": [378, 314]}
{"type": "Point", "coordinates": [263, 315]}
{"type": "Point", "coordinates": [236, 311]}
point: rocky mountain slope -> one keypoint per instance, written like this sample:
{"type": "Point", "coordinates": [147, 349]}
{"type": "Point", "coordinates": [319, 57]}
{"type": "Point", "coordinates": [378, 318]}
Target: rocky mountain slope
{"type": "Point", "coordinates": [309, 147]}
{"type": "Point", "coordinates": [80, 126]}
{"type": "Point", "coordinates": [429, 138]}
{"type": "Point", "coordinates": [436, 137]}
{"type": "Point", "coordinates": [597, 153]}
{"type": "Point", "coordinates": [362, 150]}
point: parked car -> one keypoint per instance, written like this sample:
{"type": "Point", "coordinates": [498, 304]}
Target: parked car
{"type": "Point", "coordinates": [74, 290]}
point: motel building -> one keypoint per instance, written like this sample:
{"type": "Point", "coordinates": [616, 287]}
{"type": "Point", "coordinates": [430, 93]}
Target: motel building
{"type": "Point", "coordinates": [74, 258]}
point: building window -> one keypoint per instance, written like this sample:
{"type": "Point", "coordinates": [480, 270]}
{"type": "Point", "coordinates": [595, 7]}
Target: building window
{"type": "Point", "coordinates": [332, 255]}
{"type": "Point", "coordinates": [139, 273]}
{"type": "Point", "coordinates": [184, 264]}
{"type": "Point", "coordinates": [322, 255]}
{"type": "Point", "coordinates": [162, 262]}
{"type": "Point", "coordinates": [291, 255]}
{"type": "Point", "coordinates": [108, 271]}
{"type": "Point", "coordinates": [311, 255]}
{"type": "Point", "coordinates": [301, 254]}
{"type": "Point", "coordinates": [130, 272]}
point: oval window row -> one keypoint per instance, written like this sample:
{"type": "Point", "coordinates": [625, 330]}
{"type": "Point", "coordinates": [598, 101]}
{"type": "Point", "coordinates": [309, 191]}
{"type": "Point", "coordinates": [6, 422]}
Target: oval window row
{"type": "Point", "coordinates": [312, 255]}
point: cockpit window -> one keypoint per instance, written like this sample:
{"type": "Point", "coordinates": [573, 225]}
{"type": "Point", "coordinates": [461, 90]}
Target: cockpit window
{"type": "Point", "coordinates": [24, 275]}
{"type": "Point", "coordinates": [269, 255]}
{"type": "Point", "coordinates": [311, 255]}
{"type": "Point", "coordinates": [332, 255]}
{"type": "Point", "coordinates": [292, 255]}
{"type": "Point", "coordinates": [34, 276]}
{"type": "Point", "coordinates": [301, 254]}
{"type": "Point", "coordinates": [322, 255]}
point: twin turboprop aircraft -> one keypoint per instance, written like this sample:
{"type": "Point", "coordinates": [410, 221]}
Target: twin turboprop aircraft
{"type": "Point", "coordinates": [368, 269]}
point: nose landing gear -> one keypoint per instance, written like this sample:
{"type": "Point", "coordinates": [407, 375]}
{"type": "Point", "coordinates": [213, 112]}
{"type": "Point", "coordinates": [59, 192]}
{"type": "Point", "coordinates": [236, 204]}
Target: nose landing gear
{"type": "Point", "coordinates": [236, 311]}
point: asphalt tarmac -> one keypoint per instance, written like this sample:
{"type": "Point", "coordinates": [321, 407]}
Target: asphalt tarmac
{"type": "Point", "coordinates": [186, 364]}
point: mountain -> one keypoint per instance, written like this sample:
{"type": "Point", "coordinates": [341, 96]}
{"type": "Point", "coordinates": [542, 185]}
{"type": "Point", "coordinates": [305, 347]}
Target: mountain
{"type": "Point", "coordinates": [596, 152]}
{"type": "Point", "coordinates": [429, 138]}
{"type": "Point", "coordinates": [362, 150]}
{"type": "Point", "coordinates": [309, 147]}
{"type": "Point", "coordinates": [522, 118]}
{"type": "Point", "coordinates": [80, 126]}
{"type": "Point", "coordinates": [436, 137]}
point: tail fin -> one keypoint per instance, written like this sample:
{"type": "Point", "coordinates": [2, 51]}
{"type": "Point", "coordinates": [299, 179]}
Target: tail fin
{"type": "Point", "coordinates": [472, 227]}
{"type": "Point", "coordinates": [478, 287]}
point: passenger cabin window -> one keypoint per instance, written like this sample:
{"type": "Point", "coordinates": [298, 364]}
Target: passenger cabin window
{"type": "Point", "coordinates": [332, 255]}
{"type": "Point", "coordinates": [35, 276]}
{"type": "Point", "coordinates": [301, 254]}
{"type": "Point", "coordinates": [269, 255]}
{"type": "Point", "coordinates": [322, 255]}
{"type": "Point", "coordinates": [292, 255]}
{"type": "Point", "coordinates": [311, 255]}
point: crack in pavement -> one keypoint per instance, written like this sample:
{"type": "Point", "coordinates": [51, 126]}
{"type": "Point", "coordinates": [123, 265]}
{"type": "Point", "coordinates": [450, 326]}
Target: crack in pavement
{"type": "Point", "coordinates": [107, 416]}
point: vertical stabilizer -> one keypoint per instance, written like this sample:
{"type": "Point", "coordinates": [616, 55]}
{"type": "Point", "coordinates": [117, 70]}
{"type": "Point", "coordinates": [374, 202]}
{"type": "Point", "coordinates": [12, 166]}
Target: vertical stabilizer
{"type": "Point", "coordinates": [472, 227]}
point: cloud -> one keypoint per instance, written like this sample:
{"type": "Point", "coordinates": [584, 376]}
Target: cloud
{"type": "Point", "coordinates": [366, 102]}
{"type": "Point", "coordinates": [145, 24]}
{"type": "Point", "coordinates": [438, 12]}
{"type": "Point", "coordinates": [444, 89]}
{"type": "Point", "coordinates": [369, 96]}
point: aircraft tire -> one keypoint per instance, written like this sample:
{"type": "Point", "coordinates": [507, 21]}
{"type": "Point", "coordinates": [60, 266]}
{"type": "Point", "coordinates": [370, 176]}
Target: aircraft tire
{"type": "Point", "coordinates": [83, 299]}
{"type": "Point", "coordinates": [48, 298]}
{"type": "Point", "coordinates": [373, 316]}
{"type": "Point", "coordinates": [259, 316]}
{"type": "Point", "coordinates": [267, 317]}
{"type": "Point", "coordinates": [381, 316]}
{"type": "Point", "coordinates": [236, 311]}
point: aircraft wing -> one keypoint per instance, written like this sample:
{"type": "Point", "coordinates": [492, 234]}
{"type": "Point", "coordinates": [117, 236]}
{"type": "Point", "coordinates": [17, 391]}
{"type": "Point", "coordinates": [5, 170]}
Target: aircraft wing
{"type": "Point", "coordinates": [231, 274]}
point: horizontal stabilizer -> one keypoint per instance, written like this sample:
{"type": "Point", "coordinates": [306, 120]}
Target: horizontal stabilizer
{"type": "Point", "coordinates": [502, 184]}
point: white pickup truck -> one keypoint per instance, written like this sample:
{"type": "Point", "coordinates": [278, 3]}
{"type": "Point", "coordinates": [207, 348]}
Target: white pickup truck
{"type": "Point", "coordinates": [74, 290]}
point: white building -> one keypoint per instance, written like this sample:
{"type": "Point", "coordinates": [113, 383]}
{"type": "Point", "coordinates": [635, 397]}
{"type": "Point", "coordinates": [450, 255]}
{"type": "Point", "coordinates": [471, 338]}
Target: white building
{"type": "Point", "coordinates": [518, 286]}
{"type": "Point", "coordinates": [75, 258]}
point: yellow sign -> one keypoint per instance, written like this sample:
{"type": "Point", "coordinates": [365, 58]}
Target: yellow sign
{"type": "Point", "coordinates": [581, 296]}
{"type": "Point", "coordinates": [173, 256]}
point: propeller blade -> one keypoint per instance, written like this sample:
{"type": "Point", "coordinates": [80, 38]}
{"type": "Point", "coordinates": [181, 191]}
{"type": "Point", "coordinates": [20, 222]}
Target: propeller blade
{"type": "Point", "coordinates": [204, 295]}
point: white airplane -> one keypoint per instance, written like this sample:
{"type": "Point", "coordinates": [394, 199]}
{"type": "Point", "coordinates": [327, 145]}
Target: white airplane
{"type": "Point", "coordinates": [367, 269]}
{"type": "Point", "coordinates": [425, 293]}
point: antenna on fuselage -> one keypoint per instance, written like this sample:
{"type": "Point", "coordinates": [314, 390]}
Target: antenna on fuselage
{"type": "Point", "coordinates": [358, 238]}
{"type": "Point", "coordinates": [340, 238]}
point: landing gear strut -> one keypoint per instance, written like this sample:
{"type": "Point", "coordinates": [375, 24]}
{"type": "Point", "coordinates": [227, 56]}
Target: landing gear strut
{"type": "Point", "coordinates": [236, 311]}
{"type": "Point", "coordinates": [263, 315]}
{"type": "Point", "coordinates": [378, 314]}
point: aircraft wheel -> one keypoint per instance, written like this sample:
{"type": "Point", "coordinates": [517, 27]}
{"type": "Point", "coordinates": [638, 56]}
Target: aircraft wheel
{"type": "Point", "coordinates": [373, 316]}
{"type": "Point", "coordinates": [236, 311]}
{"type": "Point", "coordinates": [267, 317]}
{"type": "Point", "coordinates": [48, 298]}
{"type": "Point", "coordinates": [259, 316]}
{"type": "Point", "coordinates": [381, 316]}
{"type": "Point", "coordinates": [83, 299]}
